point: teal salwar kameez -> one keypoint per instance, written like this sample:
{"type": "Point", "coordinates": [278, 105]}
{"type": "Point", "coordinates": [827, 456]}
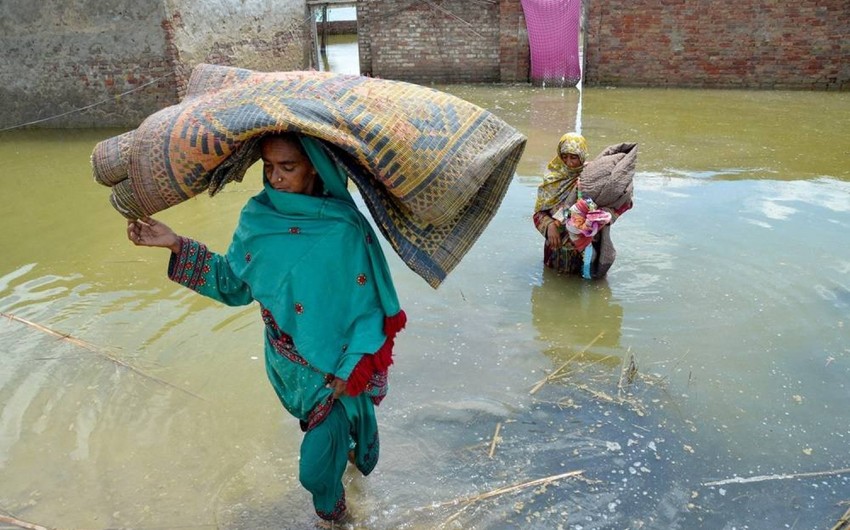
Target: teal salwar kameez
{"type": "Point", "coordinates": [329, 308]}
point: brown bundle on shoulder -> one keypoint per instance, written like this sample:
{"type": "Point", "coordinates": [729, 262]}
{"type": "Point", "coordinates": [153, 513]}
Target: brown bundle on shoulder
{"type": "Point", "coordinates": [609, 178]}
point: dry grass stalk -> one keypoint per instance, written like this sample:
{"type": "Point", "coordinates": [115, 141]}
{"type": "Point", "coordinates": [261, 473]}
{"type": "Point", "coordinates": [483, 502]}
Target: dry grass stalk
{"type": "Point", "coordinates": [627, 373]}
{"type": "Point", "coordinates": [495, 439]}
{"type": "Point", "coordinates": [506, 489]}
{"type": "Point", "coordinates": [474, 448]}
{"type": "Point", "coordinates": [555, 373]}
{"type": "Point", "coordinates": [631, 402]}
{"type": "Point", "coordinates": [581, 369]}
{"type": "Point", "coordinates": [844, 522]}
{"type": "Point", "coordinates": [92, 348]}
{"type": "Point", "coordinates": [763, 478]}
{"type": "Point", "coordinates": [20, 524]}
{"type": "Point", "coordinates": [469, 501]}
{"type": "Point", "coordinates": [598, 394]}
{"type": "Point", "coordinates": [456, 515]}
{"type": "Point", "coordinates": [567, 402]}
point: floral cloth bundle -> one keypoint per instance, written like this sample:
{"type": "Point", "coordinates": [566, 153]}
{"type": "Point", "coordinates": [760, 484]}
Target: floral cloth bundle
{"type": "Point", "coordinates": [585, 220]}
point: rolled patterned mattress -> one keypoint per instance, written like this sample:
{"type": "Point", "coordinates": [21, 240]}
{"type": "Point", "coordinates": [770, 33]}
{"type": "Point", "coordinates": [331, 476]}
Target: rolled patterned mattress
{"type": "Point", "coordinates": [432, 168]}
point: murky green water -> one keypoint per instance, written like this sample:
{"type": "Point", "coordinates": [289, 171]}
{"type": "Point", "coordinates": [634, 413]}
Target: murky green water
{"type": "Point", "coordinates": [341, 55]}
{"type": "Point", "coordinates": [731, 288]}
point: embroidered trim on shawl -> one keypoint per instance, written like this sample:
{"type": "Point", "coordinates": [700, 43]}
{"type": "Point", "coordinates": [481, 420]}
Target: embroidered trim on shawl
{"type": "Point", "coordinates": [370, 458]}
{"type": "Point", "coordinates": [319, 413]}
{"type": "Point", "coordinates": [377, 386]}
{"type": "Point", "coordinates": [284, 346]}
{"type": "Point", "coordinates": [281, 342]}
{"type": "Point", "coordinates": [338, 511]}
{"type": "Point", "coordinates": [189, 266]}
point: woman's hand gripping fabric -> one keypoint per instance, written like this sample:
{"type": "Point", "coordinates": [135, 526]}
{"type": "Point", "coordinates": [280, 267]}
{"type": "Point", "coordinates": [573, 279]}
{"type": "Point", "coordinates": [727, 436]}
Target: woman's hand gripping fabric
{"type": "Point", "coordinates": [148, 232]}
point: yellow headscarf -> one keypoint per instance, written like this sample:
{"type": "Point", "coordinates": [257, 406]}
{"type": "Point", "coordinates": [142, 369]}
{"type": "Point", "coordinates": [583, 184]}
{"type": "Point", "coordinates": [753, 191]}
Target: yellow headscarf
{"type": "Point", "coordinates": [560, 179]}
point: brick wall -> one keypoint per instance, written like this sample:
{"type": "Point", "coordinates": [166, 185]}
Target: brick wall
{"type": "Point", "coordinates": [61, 56]}
{"type": "Point", "coordinates": [451, 41]}
{"type": "Point", "coordinates": [803, 44]}
{"type": "Point", "coordinates": [514, 54]}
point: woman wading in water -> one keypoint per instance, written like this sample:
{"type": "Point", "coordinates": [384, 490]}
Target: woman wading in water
{"type": "Point", "coordinates": [304, 251]}
{"type": "Point", "coordinates": [576, 227]}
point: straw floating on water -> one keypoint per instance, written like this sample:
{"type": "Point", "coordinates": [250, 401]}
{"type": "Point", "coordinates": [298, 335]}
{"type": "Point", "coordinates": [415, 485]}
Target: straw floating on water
{"type": "Point", "coordinates": [20, 524]}
{"type": "Point", "coordinates": [92, 348]}
{"type": "Point", "coordinates": [763, 478]}
{"type": "Point", "coordinates": [470, 500]}
{"type": "Point", "coordinates": [571, 359]}
{"type": "Point", "coordinates": [495, 440]}
{"type": "Point", "coordinates": [844, 522]}
{"type": "Point", "coordinates": [505, 489]}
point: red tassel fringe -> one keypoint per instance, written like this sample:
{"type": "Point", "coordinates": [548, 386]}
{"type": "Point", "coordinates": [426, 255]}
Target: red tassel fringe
{"type": "Point", "coordinates": [380, 361]}
{"type": "Point", "coordinates": [394, 324]}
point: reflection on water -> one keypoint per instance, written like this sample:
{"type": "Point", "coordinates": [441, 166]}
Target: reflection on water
{"type": "Point", "coordinates": [338, 56]}
{"type": "Point", "coordinates": [731, 288]}
{"type": "Point", "coordinates": [570, 313]}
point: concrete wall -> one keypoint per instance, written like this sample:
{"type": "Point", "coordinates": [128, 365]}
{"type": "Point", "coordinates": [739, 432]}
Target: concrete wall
{"type": "Point", "coordinates": [61, 56]}
{"type": "Point", "coordinates": [802, 44]}
{"type": "Point", "coordinates": [452, 41]}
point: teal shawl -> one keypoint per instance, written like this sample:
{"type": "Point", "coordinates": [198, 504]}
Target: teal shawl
{"type": "Point", "coordinates": [315, 263]}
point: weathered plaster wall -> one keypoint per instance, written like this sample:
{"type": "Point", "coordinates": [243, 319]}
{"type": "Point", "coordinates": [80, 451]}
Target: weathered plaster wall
{"type": "Point", "coordinates": [265, 35]}
{"type": "Point", "coordinates": [452, 41]}
{"type": "Point", "coordinates": [61, 56]}
{"type": "Point", "coordinates": [803, 44]}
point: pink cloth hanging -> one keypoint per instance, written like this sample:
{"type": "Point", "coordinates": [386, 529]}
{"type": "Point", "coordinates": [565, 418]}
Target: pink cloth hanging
{"type": "Point", "coordinates": [553, 35]}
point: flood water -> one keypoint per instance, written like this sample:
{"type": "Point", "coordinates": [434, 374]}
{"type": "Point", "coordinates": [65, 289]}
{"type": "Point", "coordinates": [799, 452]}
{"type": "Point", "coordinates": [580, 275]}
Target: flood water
{"type": "Point", "coordinates": [731, 289]}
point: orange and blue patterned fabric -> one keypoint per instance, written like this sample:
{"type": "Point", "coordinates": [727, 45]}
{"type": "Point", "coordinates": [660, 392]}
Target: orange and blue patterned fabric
{"type": "Point", "coordinates": [431, 167]}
